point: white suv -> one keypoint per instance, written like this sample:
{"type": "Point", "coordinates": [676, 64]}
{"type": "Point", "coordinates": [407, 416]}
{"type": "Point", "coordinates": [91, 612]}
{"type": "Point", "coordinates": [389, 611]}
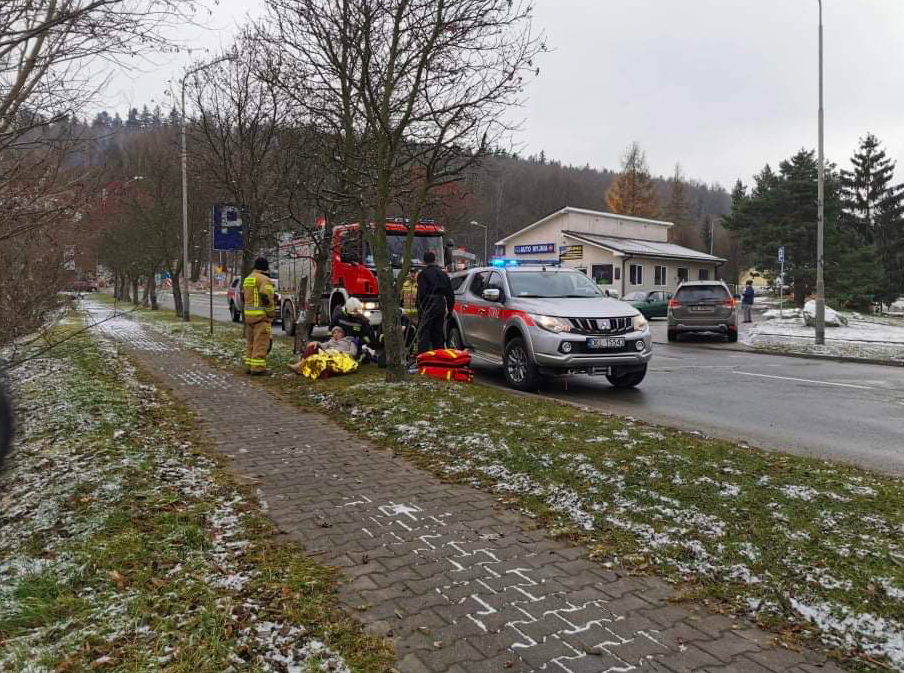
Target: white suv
{"type": "Point", "coordinates": [536, 321]}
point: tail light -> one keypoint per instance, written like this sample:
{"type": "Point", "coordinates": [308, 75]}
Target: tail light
{"type": "Point", "coordinates": [674, 303]}
{"type": "Point", "coordinates": [729, 303]}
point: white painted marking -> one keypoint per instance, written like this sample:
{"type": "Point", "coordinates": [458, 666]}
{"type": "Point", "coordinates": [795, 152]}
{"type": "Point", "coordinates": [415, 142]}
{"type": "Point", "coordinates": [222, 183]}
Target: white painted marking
{"type": "Point", "coordinates": [791, 378]}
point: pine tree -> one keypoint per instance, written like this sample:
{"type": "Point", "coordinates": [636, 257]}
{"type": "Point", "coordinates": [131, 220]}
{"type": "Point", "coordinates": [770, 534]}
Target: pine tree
{"type": "Point", "coordinates": [146, 119]}
{"type": "Point", "coordinates": [102, 120]}
{"type": "Point", "coordinates": [174, 117]}
{"type": "Point", "coordinates": [117, 121]}
{"type": "Point", "coordinates": [633, 192]}
{"type": "Point", "coordinates": [874, 209]}
{"type": "Point", "coordinates": [132, 122]}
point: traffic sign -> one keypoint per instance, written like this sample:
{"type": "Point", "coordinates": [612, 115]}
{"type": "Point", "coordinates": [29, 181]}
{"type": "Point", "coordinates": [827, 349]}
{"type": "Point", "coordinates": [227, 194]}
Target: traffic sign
{"type": "Point", "coordinates": [781, 254]}
{"type": "Point", "coordinates": [229, 222]}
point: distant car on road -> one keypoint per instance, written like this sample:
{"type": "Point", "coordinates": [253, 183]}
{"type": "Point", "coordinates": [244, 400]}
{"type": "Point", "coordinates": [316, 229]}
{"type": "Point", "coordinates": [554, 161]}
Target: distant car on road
{"type": "Point", "coordinates": [703, 306]}
{"type": "Point", "coordinates": [652, 304]}
{"type": "Point", "coordinates": [236, 303]}
{"type": "Point", "coordinates": [538, 321]}
{"type": "Point", "coordinates": [82, 285]}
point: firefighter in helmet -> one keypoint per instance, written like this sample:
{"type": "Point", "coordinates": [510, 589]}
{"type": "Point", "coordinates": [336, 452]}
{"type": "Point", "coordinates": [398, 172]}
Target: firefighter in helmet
{"type": "Point", "coordinates": [259, 301]}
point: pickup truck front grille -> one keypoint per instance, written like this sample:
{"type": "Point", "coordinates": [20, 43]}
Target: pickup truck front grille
{"type": "Point", "coordinates": [600, 325]}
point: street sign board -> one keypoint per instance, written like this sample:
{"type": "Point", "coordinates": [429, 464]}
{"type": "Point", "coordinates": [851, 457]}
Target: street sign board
{"type": "Point", "coordinates": [535, 248]}
{"type": "Point", "coordinates": [229, 222]}
{"type": "Point", "coordinates": [781, 254]}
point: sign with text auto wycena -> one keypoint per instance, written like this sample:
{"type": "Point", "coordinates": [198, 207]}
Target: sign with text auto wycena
{"type": "Point", "coordinates": [229, 226]}
{"type": "Point", "coordinates": [535, 248]}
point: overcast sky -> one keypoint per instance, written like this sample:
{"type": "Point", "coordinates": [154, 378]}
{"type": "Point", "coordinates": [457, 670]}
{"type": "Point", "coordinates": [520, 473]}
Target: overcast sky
{"type": "Point", "coordinates": [721, 86]}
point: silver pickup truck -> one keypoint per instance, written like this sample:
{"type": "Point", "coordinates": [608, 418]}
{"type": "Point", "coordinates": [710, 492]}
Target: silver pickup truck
{"type": "Point", "coordinates": [538, 321]}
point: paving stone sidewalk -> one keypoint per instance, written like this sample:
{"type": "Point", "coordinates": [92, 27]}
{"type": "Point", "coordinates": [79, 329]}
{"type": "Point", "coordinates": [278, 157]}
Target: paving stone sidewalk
{"type": "Point", "coordinates": [458, 582]}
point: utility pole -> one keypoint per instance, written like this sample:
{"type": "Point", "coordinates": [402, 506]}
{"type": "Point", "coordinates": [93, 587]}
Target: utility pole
{"type": "Point", "coordinates": [820, 213]}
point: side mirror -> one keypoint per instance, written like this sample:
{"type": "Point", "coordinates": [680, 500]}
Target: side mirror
{"type": "Point", "coordinates": [492, 294]}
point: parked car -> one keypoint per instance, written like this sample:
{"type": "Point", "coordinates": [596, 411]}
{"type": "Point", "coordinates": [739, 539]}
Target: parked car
{"type": "Point", "coordinates": [652, 304]}
{"type": "Point", "coordinates": [236, 303]}
{"type": "Point", "coordinates": [547, 321]}
{"type": "Point", "coordinates": [82, 285]}
{"type": "Point", "coordinates": [703, 306]}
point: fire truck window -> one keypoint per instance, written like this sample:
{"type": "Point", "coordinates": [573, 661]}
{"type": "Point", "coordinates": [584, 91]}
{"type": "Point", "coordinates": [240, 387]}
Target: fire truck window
{"type": "Point", "coordinates": [350, 250]}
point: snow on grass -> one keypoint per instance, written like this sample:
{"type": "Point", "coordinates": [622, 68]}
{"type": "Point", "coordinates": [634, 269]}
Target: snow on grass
{"type": "Point", "coordinates": [120, 544]}
{"type": "Point", "coordinates": [865, 336]}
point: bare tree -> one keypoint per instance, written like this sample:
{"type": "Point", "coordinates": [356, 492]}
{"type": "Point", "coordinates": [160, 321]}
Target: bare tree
{"type": "Point", "coordinates": [420, 91]}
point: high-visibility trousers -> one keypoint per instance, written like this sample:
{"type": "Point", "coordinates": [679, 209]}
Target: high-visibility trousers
{"type": "Point", "coordinates": [257, 343]}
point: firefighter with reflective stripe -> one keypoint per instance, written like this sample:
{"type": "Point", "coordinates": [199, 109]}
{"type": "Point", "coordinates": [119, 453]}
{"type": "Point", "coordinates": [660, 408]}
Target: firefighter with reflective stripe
{"type": "Point", "coordinates": [258, 296]}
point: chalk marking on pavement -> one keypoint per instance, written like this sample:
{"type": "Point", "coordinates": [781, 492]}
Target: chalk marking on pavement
{"type": "Point", "coordinates": [791, 378]}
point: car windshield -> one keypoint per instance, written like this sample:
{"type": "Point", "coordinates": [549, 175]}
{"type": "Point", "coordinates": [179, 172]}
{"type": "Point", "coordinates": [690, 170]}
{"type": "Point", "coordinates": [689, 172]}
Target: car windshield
{"type": "Point", "coordinates": [701, 293]}
{"type": "Point", "coordinates": [419, 246]}
{"type": "Point", "coordinates": [635, 296]}
{"type": "Point", "coordinates": [548, 284]}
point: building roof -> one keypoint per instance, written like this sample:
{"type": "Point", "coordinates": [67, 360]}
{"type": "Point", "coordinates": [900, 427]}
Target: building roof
{"type": "Point", "coordinates": [641, 248]}
{"type": "Point", "coordinates": [584, 211]}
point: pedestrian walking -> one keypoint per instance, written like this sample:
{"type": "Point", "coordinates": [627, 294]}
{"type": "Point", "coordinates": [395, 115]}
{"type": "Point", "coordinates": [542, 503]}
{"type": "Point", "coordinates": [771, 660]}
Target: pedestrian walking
{"type": "Point", "coordinates": [434, 298]}
{"type": "Point", "coordinates": [259, 300]}
{"type": "Point", "coordinates": [747, 301]}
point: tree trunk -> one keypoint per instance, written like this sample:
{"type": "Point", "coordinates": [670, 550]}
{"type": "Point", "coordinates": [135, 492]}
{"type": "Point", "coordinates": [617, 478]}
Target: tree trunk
{"type": "Point", "coordinates": [123, 287]}
{"type": "Point", "coordinates": [133, 279]}
{"type": "Point", "coordinates": [115, 286]}
{"type": "Point", "coordinates": [321, 269]}
{"type": "Point", "coordinates": [152, 285]}
{"type": "Point", "coordinates": [145, 294]}
{"type": "Point", "coordinates": [175, 277]}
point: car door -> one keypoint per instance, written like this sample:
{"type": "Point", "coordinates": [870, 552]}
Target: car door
{"type": "Point", "coordinates": [469, 305]}
{"type": "Point", "coordinates": [658, 305]}
{"type": "Point", "coordinates": [492, 321]}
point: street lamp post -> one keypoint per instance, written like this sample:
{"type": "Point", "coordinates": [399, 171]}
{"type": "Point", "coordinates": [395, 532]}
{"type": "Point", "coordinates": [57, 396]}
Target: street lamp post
{"type": "Point", "coordinates": [820, 213]}
{"type": "Point", "coordinates": [484, 227]}
{"type": "Point", "coordinates": [186, 313]}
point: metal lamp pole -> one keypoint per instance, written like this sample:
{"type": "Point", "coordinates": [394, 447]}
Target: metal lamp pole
{"type": "Point", "coordinates": [486, 259]}
{"type": "Point", "coordinates": [820, 213]}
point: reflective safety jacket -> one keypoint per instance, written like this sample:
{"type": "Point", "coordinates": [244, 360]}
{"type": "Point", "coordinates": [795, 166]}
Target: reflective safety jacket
{"type": "Point", "coordinates": [409, 296]}
{"type": "Point", "coordinates": [259, 298]}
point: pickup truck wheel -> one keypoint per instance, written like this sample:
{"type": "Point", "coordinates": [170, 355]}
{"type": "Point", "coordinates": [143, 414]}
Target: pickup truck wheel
{"type": "Point", "coordinates": [455, 340]}
{"type": "Point", "coordinates": [520, 371]}
{"type": "Point", "coordinates": [288, 320]}
{"type": "Point", "coordinates": [235, 313]}
{"type": "Point", "coordinates": [628, 379]}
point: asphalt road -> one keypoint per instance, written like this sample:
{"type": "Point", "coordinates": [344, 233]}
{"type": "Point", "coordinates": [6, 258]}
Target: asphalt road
{"type": "Point", "coordinates": [840, 411]}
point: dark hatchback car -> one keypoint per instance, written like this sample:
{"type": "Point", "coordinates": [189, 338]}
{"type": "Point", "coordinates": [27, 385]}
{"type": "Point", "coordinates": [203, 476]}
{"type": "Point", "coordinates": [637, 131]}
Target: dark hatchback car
{"type": "Point", "coordinates": [704, 306]}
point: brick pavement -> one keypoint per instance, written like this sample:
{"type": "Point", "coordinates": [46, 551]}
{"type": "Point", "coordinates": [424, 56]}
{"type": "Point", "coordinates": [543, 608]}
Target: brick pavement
{"type": "Point", "coordinates": [456, 581]}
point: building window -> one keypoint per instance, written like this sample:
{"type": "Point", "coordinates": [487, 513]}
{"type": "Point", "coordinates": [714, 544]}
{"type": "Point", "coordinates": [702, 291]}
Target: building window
{"type": "Point", "coordinates": [703, 275]}
{"type": "Point", "coordinates": [602, 273]}
{"type": "Point", "coordinates": [682, 274]}
{"type": "Point", "coordinates": [660, 275]}
{"type": "Point", "coordinates": [500, 251]}
{"type": "Point", "coordinates": [636, 274]}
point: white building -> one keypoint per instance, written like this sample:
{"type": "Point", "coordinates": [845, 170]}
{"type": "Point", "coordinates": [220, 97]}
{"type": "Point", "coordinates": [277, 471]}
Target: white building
{"type": "Point", "coordinates": [629, 253]}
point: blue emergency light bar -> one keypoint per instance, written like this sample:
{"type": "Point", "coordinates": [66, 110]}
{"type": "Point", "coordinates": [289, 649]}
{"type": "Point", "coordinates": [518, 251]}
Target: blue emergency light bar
{"type": "Point", "coordinates": [504, 262]}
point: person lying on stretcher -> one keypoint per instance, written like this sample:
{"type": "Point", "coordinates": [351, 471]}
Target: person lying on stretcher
{"type": "Point", "coordinates": [338, 343]}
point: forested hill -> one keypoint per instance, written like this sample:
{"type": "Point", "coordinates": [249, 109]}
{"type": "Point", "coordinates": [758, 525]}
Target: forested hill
{"type": "Point", "coordinates": [508, 192]}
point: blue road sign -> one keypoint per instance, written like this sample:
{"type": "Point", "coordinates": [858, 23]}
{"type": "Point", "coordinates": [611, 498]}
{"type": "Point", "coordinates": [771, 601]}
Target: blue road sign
{"type": "Point", "coordinates": [781, 254]}
{"type": "Point", "coordinates": [229, 222]}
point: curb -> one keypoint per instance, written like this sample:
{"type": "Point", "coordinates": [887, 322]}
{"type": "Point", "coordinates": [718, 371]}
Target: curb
{"type": "Point", "coordinates": [803, 356]}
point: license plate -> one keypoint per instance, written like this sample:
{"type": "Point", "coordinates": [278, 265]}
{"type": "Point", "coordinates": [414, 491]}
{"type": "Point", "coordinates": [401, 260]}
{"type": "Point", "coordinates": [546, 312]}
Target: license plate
{"type": "Point", "coordinates": [708, 309]}
{"type": "Point", "coordinates": [606, 342]}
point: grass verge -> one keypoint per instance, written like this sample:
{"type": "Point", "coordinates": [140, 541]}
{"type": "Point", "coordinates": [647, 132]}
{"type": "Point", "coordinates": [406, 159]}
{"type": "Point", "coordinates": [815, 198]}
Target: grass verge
{"type": "Point", "coordinates": [809, 549]}
{"type": "Point", "coordinates": [125, 547]}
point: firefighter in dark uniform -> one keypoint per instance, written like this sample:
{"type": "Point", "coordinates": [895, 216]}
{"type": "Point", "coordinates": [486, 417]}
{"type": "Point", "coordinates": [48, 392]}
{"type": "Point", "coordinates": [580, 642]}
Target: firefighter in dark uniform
{"type": "Point", "coordinates": [434, 298]}
{"type": "Point", "coordinates": [353, 322]}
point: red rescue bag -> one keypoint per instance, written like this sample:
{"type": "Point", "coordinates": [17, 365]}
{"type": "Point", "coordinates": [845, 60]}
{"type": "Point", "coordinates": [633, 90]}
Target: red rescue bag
{"type": "Point", "coordinates": [444, 357]}
{"type": "Point", "coordinates": [461, 374]}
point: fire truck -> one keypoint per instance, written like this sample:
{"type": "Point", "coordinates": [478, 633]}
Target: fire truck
{"type": "Point", "coordinates": [352, 272]}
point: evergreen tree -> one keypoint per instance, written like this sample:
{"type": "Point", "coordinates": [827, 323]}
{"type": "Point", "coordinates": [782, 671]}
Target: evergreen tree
{"type": "Point", "coordinates": [633, 192]}
{"type": "Point", "coordinates": [157, 118]}
{"type": "Point", "coordinates": [117, 121]}
{"type": "Point", "coordinates": [874, 209]}
{"type": "Point", "coordinates": [173, 117]}
{"type": "Point", "coordinates": [146, 119]}
{"type": "Point", "coordinates": [132, 122]}
{"type": "Point", "coordinates": [781, 212]}
{"type": "Point", "coordinates": [102, 120]}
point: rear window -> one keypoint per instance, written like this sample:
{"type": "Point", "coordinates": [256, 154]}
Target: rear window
{"type": "Point", "coordinates": [701, 293]}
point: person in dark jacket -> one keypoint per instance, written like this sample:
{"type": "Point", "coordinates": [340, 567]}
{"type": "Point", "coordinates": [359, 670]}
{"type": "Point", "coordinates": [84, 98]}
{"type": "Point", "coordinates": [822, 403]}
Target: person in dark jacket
{"type": "Point", "coordinates": [747, 301]}
{"type": "Point", "coordinates": [353, 322]}
{"type": "Point", "coordinates": [434, 298]}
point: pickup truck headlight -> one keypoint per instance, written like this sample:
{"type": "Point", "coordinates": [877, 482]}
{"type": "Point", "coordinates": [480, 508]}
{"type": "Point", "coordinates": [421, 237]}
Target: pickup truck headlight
{"type": "Point", "coordinates": [552, 324]}
{"type": "Point", "coordinates": [639, 323]}
{"type": "Point", "coordinates": [371, 306]}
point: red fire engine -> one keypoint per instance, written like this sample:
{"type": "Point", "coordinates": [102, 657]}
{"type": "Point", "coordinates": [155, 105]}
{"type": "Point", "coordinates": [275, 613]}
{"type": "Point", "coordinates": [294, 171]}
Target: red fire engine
{"type": "Point", "coordinates": [352, 272]}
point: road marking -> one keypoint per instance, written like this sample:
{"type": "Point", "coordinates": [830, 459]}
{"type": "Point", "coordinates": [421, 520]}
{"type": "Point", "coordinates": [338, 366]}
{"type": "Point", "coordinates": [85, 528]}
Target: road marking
{"type": "Point", "coordinates": [790, 378]}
